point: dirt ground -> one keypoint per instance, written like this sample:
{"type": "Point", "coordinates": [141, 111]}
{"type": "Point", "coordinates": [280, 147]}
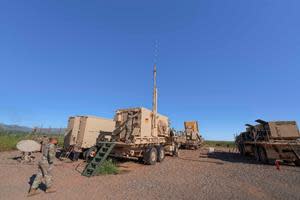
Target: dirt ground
{"type": "Point", "coordinates": [194, 175]}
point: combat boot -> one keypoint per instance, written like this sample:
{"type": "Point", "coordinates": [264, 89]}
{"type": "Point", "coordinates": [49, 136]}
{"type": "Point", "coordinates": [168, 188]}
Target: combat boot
{"type": "Point", "coordinates": [50, 190]}
{"type": "Point", "coordinates": [32, 192]}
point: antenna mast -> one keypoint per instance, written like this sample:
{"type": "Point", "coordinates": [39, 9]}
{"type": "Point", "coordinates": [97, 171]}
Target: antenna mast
{"type": "Point", "coordinates": [154, 105]}
{"type": "Point", "coordinates": [154, 100]}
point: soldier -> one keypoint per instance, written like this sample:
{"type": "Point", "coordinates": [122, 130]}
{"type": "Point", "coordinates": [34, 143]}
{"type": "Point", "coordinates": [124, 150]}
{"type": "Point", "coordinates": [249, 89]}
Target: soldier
{"type": "Point", "coordinates": [44, 142]}
{"type": "Point", "coordinates": [45, 168]}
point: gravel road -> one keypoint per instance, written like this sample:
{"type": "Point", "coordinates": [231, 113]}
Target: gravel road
{"type": "Point", "coordinates": [193, 175]}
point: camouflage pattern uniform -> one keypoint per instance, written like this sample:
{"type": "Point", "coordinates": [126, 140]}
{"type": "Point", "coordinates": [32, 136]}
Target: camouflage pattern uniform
{"type": "Point", "coordinates": [44, 142]}
{"type": "Point", "coordinates": [45, 167]}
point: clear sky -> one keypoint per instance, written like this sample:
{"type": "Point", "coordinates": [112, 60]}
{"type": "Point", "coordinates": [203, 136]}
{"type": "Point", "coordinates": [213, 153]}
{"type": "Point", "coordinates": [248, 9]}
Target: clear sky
{"type": "Point", "coordinates": [223, 63]}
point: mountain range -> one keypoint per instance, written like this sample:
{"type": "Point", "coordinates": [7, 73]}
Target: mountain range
{"type": "Point", "coordinates": [18, 128]}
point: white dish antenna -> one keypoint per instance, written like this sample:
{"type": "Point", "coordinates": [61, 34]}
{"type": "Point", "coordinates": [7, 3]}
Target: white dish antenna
{"type": "Point", "coordinates": [28, 146]}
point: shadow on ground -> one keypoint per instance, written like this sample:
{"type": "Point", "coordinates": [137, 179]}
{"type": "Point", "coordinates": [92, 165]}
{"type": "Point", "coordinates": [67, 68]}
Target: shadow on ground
{"type": "Point", "coordinates": [124, 165]}
{"type": "Point", "coordinates": [31, 179]}
{"type": "Point", "coordinates": [234, 157]}
{"type": "Point", "coordinates": [201, 161]}
{"type": "Point", "coordinates": [231, 157]}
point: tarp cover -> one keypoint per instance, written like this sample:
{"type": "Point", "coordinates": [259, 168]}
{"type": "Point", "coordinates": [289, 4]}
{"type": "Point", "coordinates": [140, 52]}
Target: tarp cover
{"type": "Point", "coordinates": [28, 146]}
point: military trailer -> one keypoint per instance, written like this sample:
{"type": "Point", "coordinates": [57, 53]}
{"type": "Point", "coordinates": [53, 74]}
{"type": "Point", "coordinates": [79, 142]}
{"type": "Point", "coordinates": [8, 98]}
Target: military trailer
{"type": "Point", "coordinates": [139, 133]}
{"type": "Point", "coordinates": [82, 133]}
{"type": "Point", "coordinates": [190, 138]}
{"type": "Point", "coordinates": [136, 137]}
{"type": "Point", "coordinates": [270, 141]}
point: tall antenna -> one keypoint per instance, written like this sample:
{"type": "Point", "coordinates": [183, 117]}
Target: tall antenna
{"type": "Point", "coordinates": [154, 100]}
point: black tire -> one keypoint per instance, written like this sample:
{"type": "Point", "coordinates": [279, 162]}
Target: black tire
{"type": "Point", "coordinates": [86, 154]}
{"type": "Point", "coordinates": [74, 156]}
{"type": "Point", "coordinates": [263, 155]}
{"type": "Point", "coordinates": [62, 154]}
{"type": "Point", "coordinates": [241, 149]}
{"type": "Point", "coordinates": [175, 152]}
{"type": "Point", "coordinates": [160, 153]}
{"type": "Point", "coordinates": [256, 155]}
{"type": "Point", "coordinates": [150, 156]}
{"type": "Point", "coordinates": [297, 162]}
{"type": "Point", "coordinates": [140, 160]}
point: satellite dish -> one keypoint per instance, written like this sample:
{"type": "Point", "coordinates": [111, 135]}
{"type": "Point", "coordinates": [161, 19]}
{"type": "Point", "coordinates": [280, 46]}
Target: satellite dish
{"type": "Point", "coordinates": [28, 146]}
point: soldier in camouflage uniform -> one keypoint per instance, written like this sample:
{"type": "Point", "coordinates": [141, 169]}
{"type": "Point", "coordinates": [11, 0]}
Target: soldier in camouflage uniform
{"type": "Point", "coordinates": [45, 168]}
{"type": "Point", "coordinates": [44, 142]}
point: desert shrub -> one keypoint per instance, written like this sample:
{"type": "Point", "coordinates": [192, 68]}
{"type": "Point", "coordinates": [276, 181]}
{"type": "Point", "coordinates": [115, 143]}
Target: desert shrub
{"type": "Point", "coordinates": [108, 167]}
{"type": "Point", "coordinates": [229, 144]}
{"type": "Point", "coordinates": [9, 139]}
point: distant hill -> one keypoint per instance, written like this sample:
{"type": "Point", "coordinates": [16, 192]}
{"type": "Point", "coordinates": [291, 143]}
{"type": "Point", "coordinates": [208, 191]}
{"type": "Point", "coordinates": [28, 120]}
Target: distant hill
{"type": "Point", "coordinates": [17, 128]}
{"type": "Point", "coordinates": [6, 127]}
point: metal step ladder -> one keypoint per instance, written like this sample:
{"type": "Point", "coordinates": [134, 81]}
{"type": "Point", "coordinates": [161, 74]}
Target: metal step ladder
{"type": "Point", "coordinates": [104, 149]}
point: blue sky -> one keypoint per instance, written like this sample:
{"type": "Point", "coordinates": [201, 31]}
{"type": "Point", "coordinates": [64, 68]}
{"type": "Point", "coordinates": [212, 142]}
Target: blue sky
{"type": "Point", "coordinates": [223, 63]}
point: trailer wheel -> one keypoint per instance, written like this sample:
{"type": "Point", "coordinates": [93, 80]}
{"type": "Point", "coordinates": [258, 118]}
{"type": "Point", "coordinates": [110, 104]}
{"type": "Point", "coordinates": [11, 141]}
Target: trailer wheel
{"type": "Point", "coordinates": [256, 154]}
{"type": "Point", "coordinates": [175, 152]}
{"type": "Point", "coordinates": [87, 153]}
{"type": "Point", "coordinates": [263, 155]}
{"type": "Point", "coordinates": [74, 156]}
{"type": "Point", "coordinates": [160, 153]}
{"type": "Point", "coordinates": [241, 149]}
{"type": "Point", "coordinates": [297, 162]}
{"type": "Point", "coordinates": [150, 156]}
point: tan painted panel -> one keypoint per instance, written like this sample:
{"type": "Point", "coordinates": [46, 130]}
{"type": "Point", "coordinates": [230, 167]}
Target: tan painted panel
{"type": "Point", "coordinates": [146, 123]}
{"type": "Point", "coordinates": [282, 130]}
{"type": "Point", "coordinates": [84, 130]}
{"type": "Point", "coordinates": [92, 130]}
{"type": "Point", "coordinates": [163, 125]}
{"type": "Point", "coordinates": [192, 125]}
{"type": "Point", "coordinates": [69, 132]}
{"type": "Point", "coordinates": [72, 131]}
{"type": "Point", "coordinates": [71, 122]}
{"type": "Point", "coordinates": [75, 130]}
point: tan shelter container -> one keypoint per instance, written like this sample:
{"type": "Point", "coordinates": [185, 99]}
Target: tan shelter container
{"type": "Point", "coordinates": [192, 125]}
{"type": "Point", "coordinates": [284, 130]}
{"type": "Point", "coordinates": [83, 131]}
{"type": "Point", "coordinates": [134, 125]}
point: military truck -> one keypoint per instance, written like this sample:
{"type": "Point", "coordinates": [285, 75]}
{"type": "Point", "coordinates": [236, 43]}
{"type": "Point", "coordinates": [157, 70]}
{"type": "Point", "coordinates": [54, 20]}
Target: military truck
{"type": "Point", "coordinates": [82, 134]}
{"type": "Point", "coordinates": [136, 136]}
{"type": "Point", "coordinates": [139, 134]}
{"type": "Point", "coordinates": [270, 141]}
{"type": "Point", "coordinates": [190, 138]}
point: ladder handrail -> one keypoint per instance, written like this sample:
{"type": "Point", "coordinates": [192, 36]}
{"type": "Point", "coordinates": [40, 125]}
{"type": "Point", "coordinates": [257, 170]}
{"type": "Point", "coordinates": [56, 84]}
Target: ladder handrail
{"type": "Point", "coordinates": [98, 160]}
